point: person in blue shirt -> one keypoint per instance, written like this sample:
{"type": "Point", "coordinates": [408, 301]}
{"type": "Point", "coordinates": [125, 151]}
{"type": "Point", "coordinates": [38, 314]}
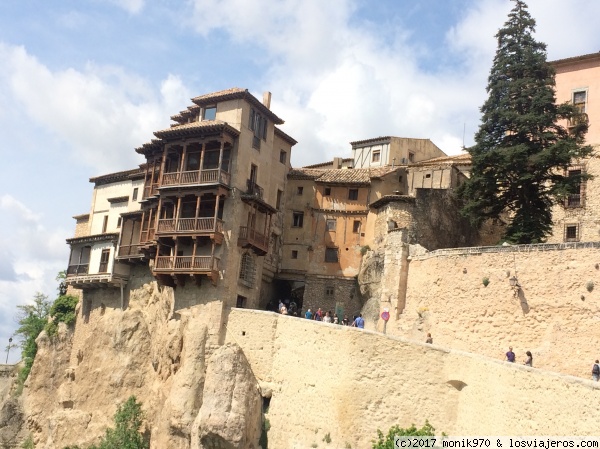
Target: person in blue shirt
{"type": "Point", "coordinates": [308, 315]}
{"type": "Point", "coordinates": [510, 355]}
{"type": "Point", "coordinates": [359, 322]}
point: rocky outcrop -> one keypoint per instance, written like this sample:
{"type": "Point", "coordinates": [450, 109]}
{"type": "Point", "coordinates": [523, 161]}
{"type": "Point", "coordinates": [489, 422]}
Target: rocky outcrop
{"type": "Point", "coordinates": [231, 412]}
{"type": "Point", "coordinates": [11, 423]}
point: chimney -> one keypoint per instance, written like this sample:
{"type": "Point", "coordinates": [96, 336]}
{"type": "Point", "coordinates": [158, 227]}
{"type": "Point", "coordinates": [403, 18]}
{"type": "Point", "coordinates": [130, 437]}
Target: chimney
{"type": "Point", "coordinates": [337, 163]}
{"type": "Point", "coordinates": [267, 99]}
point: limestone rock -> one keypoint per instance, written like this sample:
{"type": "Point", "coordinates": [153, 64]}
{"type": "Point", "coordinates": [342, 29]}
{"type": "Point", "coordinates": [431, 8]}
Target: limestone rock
{"type": "Point", "coordinates": [11, 422]}
{"type": "Point", "coordinates": [231, 412]}
{"type": "Point", "coordinates": [369, 276]}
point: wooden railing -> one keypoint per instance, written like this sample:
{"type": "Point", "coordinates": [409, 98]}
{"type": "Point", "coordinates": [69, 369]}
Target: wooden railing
{"type": "Point", "coordinates": [76, 270]}
{"type": "Point", "coordinates": [129, 251]}
{"type": "Point", "coordinates": [254, 238]}
{"type": "Point", "coordinates": [147, 235]}
{"type": "Point", "coordinates": [211, 176]}
{"type": "Point", "coordinates": [198, 225]}
{"type": "Point", "coordinates": [150, 191]}
{"type": "Point", "coordinates": [254, 189]}
{"type": "Point", "coordinates": [186, 263]}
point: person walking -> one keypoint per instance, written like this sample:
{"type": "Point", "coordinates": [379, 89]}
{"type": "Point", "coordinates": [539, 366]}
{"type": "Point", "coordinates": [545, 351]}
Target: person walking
{"type": "Point", "coordinates": [429, 339]}
{"type": "Point", "coordinates": [359, 322]}
{"type": "Point", "coordinates": [510, 355]}
{"type": "Point", "coordinates": [529, 359]}
{"type": "Point", "coordinates": [596, 371]}
{"type": "Point", "coordinates": [308, 315]}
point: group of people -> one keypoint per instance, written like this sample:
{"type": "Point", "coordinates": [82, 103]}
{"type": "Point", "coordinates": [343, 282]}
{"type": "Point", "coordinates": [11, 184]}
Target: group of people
{"type": "Point", "coordinates": [511, 357]}
{"type": "Point", "coordinates": [330, 317]}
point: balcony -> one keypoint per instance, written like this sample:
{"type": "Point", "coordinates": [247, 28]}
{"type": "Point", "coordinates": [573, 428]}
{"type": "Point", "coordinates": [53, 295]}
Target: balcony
{"type": "Point", "coordinates": [78, 270]}
{"type": "Point", "coordinates": [186, 264]}
{"type": "Point", "coordinates": [149, 191]}
{"type": "Point", "coordinates": [580, 119]}
{"type": "Point", "coordinates": [130, 251]}
{"type": "Point", "coordinates": [251, 238]}
{"type": "Point", "coordinates": [212, 227]}
{"type": "Point", "coordinates": [253, 189]}
{"type": "Point", "coordinates": [196, 177]}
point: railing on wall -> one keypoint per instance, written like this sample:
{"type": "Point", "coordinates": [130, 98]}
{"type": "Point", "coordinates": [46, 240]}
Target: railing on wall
{"type": "Point", "coordinates": [507, 249]}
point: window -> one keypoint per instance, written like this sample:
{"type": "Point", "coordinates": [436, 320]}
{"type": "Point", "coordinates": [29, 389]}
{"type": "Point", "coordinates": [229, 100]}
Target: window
{"type": "Point", "coordinates": [356, 226]}
{"type": "Point", "coordinates": [119, 222]}
{"type": "Point", "coordinates": [352, 194]}
{"type": "Point", "coordinates": [376, 156]}
{"type": "Point", "coordinates": [294, 254]}
{"type": "Point", "coordinates": [104, 261]}
{"type": "Point", "coordinates": [105, 224]}
{"type": "Point", "coordinates": [580, 100]}
{"type": "Point", "coordinates": [329, 290]}
{"type": "Point", "coordinates": [135, 194]}
{"type": "Point", "coordinates": [428, 175]}
{"type": "Point", "coordinates": [210, 113]}
{"type": "Point", "coordinates": [330, 225]}
{"type": "Point", "coordinates": [247, 270]}
{"type": "Point", "coordinates": [297, 219]}
{"type": "Point", "coordinates": [257, 124]}
{"type": "Point", "coordinates": [240, 303]}
{"type": "Point", "coordinates": [411, 157]}
{"type": "Point", "coordinates": [331, 255]}
{"type": "Point", "coordinates": [299, 190]}
{"type": "Point", "coordinates": [576, 199]}
{"type": "Point", "coordinates": [282, 157]}
{"type": "Point", "coordinates": [327, 191]}
{"type": "Point", "coordinates": [278, 201]}
{"type": "Point", "coordinates": [571, 233]}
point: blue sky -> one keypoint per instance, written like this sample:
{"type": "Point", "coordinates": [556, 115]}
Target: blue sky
{"type": "Point", "coordinates": [84, 82]}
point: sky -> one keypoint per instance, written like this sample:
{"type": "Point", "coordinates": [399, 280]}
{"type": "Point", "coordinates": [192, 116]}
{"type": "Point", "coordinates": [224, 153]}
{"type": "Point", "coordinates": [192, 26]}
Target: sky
{"type": "Point", "coordinates": [85, 82]}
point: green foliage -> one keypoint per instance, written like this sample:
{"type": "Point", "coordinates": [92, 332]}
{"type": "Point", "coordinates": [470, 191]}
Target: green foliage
{"type": "Point", "coordinates": [28, 443]}
{"type": "Point", "coordinates": [387, 441]}
{"type": "Point", "coordinates": [521, 153]}
{"type": "Point", "coordinates": [364, 249]}
{"type": "Point", "coordinates": [485, 281]}
{"type": "Point", "coordinates": [32, 319]}
{"type": "Point", "coordinates": [327, 438]}
{"type": "Point", "coordinates": [62, 311]}
{"type": "Point", "coordinates": [126, 434]}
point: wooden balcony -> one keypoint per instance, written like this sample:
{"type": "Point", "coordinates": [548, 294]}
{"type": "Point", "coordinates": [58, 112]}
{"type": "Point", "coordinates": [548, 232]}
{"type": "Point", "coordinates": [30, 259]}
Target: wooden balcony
{"type": "Point", "coordinates": [251, 238]}
{"type": "Point", "coordinates": [212, 227]}
{"type": "Point", "coordinates": [149, 191]}
{"type": "Point", "coordinates": [78, 270]}
{"type": "Point", "coordinates": [130, 252]}
{"type": "Point", "coordinates": [196, 177]}
{"type": "Point", "coordinates": [186, 264]}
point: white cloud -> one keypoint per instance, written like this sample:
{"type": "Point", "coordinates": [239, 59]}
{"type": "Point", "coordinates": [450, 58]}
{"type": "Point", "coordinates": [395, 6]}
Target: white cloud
{"type": "Point", "coordinates": [131, 6]}
{"type": "Point", "coordinates": [102, 113]}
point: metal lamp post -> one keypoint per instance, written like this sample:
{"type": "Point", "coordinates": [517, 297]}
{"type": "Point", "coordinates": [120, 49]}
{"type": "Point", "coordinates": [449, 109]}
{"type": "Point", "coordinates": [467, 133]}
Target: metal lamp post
{"type": "Point", "coordinates": [8, 349]}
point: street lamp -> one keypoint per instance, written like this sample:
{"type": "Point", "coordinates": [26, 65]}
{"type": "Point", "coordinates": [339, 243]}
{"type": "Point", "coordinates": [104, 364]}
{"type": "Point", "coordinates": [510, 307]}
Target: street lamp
{"type": "Point", "coordinates": [8, 349]}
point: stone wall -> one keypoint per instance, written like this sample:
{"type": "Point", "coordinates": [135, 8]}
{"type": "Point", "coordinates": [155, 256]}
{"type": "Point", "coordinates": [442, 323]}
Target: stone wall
{"type": "Point", "coordinates": [340, 296]}
{"type": "Point", "coordinates": [346, 382]}
{"type": "Point", "coordinates": [555, 313]}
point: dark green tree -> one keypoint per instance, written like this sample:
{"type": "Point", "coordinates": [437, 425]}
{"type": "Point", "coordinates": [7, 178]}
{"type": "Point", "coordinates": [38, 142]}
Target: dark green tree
{"type": "Point", "coordinates": [32, 319]}
{"type": "Point", "coordinates": [521, 150]}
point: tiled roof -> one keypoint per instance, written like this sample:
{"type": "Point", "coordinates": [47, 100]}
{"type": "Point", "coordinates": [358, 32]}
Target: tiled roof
{"type": "Point", "coordinates": [566, 61]}
{"type": "Point", "coordinates": [459, 159]}
{"type": "Point", "coordinates": [355, 176]}
{"type": "Point", "coordinates": [81, 216]}
{"type": "Point", "coordinates": [391, 199]}
{"type": "Point", "coordinates": [232, 94]}
{"type": "Point", "coordinates": [374, 139]}
{"type": "Point", "coordinates": [189, 129]}
{"type": "Point", "coordinates": [149, 147]}
{"type": "Point", "coordinates": [118, 176]}
{"type": "Point", "coordinates": [324, 164]}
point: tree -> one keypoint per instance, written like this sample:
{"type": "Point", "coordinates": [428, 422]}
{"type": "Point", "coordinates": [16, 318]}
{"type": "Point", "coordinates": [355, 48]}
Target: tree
{"type": "Point", "coordinates": [387, 441]}
{"type": "Point", "coordinates": [32, 319]}
{"type": "Point", "coordinates": [521, 152]}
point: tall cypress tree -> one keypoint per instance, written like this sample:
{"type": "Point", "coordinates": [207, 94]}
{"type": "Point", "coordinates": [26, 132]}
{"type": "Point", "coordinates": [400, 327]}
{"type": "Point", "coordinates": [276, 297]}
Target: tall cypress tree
{"type": "Point", "coordinates": [521, 150]}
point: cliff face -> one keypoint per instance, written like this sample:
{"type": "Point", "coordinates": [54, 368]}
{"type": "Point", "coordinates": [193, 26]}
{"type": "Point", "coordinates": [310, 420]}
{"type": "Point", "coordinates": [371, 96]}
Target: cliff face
{"type": "Point", "coordinates": [149, 350]}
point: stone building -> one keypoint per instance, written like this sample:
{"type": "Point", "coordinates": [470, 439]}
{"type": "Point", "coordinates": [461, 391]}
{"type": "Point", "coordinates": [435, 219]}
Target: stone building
{"type": "Point", "coordinates": [209, 220]}
{"type": "Point", "coordinates": [93, 262]}
{"type": "Point", "coordinates": [578, 82]}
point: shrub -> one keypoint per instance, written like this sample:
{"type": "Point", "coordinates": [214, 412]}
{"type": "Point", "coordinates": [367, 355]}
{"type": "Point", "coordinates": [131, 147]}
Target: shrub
{"type": "Point", "coordinates": [126, 434]}
{"type": "Point", "coordinates": [387, 441]}
{"type": "Point", "coordinates": [485, 281]}
{"type": "Point", "coordinates": [62, 311]}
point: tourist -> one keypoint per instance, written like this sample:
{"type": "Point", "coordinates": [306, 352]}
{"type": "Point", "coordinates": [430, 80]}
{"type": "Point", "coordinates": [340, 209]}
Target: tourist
{"type": "Point", "coordinates": [283, 310]}
{"type": "Point", "coordinates": [308, 315]}
{"type": "Point", "coordinates": [319, 315]}
{"type": "Point", "coordinates": [345, 321]}
{"type": "Point", "coordinates": [280, 305]}
{"type": "Point", "coordinates": [336, 320]}
{"type": "Point", "coordinates": [529, 360]}
{"type": "Point", "coordinates": [429, 339]}
{"type": "Point", "coordinates": [510, 355]}
{"type": "Point", "coordinates": [359, 322]}
{"type": "Point", "coordinates": [596, 371]}
{"type": "Point", "coordinates": [327, 318]}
